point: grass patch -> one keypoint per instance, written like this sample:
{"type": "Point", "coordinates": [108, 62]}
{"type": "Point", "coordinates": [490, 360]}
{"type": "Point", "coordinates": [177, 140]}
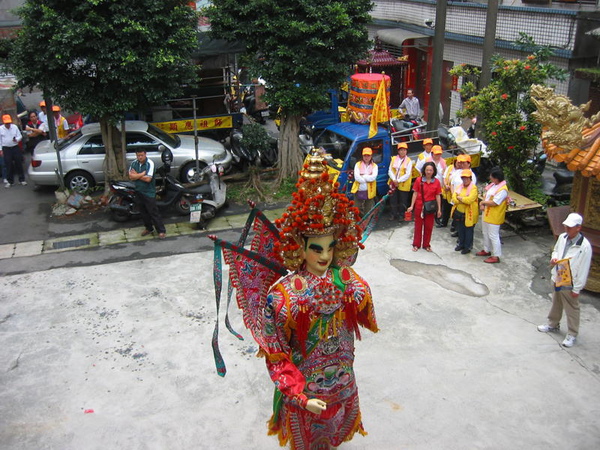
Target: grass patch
{"type": "Point", "coordinates": [241, 191]}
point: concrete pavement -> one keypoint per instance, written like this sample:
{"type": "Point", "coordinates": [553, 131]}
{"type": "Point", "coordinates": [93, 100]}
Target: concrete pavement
{"type": "Point", "coordinates": [118, 356]}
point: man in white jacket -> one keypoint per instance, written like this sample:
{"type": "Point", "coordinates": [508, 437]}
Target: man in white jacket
{"type": "Point", "coordinates": [572, 253]}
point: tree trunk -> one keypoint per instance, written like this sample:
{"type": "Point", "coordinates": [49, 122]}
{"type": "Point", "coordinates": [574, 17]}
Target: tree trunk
{"type": "Point", "coordinates": [114, 158]}
{"type": "Point", "coordinates": [290, 155]}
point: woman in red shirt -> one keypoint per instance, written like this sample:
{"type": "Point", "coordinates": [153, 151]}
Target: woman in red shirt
{"type": "Point", "coordinates": [425, 188]}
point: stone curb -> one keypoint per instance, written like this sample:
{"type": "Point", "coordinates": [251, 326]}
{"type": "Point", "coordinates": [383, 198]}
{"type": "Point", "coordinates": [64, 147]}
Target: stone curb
{"type": "Point", "coordinates": [122, 236]}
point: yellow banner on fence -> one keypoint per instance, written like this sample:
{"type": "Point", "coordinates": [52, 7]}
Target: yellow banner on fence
{"type": "Point", "coordinates": [203, 124]}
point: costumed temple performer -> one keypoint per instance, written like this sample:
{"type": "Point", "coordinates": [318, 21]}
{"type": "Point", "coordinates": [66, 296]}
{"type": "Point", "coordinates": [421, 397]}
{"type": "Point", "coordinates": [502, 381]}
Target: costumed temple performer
{"type": "Point", "coordinates": [312, 316]}
{"type": "Point", "coordinates": [304, 305]}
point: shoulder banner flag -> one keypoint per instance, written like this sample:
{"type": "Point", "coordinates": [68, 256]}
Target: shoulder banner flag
{"type": "Point", "coordinates": [381, 112]}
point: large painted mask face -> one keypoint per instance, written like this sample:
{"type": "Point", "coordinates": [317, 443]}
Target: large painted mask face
{"type": "Point", "coordinates": [318, 254]}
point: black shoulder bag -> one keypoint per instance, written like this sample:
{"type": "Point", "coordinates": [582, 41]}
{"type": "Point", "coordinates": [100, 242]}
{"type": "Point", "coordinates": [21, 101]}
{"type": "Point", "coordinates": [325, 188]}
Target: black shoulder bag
{"type": "Point", "coordinates": [429, 207]}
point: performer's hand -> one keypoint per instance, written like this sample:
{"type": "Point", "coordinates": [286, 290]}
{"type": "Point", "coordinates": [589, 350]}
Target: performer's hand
{"type": "Point", "coordinates": [574, 295]}
{"type": "Point", "coordinates": [314, 405]}
{"type": "Point", "coordinates": [553, 261]}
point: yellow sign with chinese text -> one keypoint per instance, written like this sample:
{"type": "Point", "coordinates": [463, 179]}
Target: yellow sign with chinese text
{"type": "Point", "coordinates": [202, 124]}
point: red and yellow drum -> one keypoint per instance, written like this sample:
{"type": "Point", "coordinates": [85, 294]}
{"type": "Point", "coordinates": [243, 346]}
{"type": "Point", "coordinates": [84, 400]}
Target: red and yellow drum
{"type": "Point", "coordinates": [363, 91]}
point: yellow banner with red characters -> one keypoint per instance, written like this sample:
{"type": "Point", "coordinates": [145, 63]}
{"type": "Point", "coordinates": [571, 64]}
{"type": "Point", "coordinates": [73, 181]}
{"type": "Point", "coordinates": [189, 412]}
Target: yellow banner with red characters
{"type": "Point", "coordinates": [202, 124]}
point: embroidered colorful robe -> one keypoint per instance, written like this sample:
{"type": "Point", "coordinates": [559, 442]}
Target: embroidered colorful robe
{"type": "Point", "coordinates": [310, 324]}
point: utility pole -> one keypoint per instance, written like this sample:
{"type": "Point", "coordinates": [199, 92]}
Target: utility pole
{"type": "Point", "coordinates": [433, 116]}
{"type": "Point", "coordinates": [53, 138]}
{"type": "Point", "coordinates": [489, 42]}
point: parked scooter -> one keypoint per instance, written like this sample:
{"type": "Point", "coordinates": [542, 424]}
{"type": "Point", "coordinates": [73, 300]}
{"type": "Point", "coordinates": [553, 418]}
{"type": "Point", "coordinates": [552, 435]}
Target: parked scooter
{"type": "Point", "coordinates": [210, 197]}
{"type": "Point", "coordinates": [408, 129]}
{"type": "Point", "coordinates": [170, 195]}
{"type": "Point", "coordinates": [253, 108]}
{"type": "Point", "coordinates": [560, 191]}
{"type": "Point", "coordinates": [244, 156]}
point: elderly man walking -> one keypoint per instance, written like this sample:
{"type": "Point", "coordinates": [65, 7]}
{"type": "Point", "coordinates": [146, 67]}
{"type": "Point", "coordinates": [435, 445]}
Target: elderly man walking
{"type": "Point", "coordinates": [571, 259]}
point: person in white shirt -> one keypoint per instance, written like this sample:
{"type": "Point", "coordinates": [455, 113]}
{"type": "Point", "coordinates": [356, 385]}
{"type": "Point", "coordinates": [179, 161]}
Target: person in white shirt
{"type": "Point", "coordinates": [10, 136]}
{"type": "Point", "coordinates": [411, 105]}
{"type": "Point", "coordinates": [440, 163]}
{"type": "Point", "coordinates": [42, 117]}
{"type": "Point", "coordinates": [426, 155]}
{"type": "Point", "coordinates": [464, 162]}
{"type": "Point", "coordinates": [572, 255]}
{"type": "Point", "coordinates": [365, 182]}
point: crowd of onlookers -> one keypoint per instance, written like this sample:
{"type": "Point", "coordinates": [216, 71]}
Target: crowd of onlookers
{"type": "Point", "coordinates": [448, 195]}
{"type": "Point", "coordinates": [442, 195]}
{"type": "Point", "coordinates": [14, 141]}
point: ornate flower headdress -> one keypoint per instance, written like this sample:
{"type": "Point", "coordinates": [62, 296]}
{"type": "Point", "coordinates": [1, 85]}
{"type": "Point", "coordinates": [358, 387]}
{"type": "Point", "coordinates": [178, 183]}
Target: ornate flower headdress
{"type": "Point", "coordinates": [317, 209]}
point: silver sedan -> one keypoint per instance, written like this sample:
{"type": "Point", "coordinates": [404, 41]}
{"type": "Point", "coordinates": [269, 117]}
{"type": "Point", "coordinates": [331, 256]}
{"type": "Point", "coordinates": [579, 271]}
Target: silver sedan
{"type": "Point", "coordinates": [82, 155]}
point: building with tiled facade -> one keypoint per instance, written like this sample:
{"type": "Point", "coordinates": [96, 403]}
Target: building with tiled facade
{"type": "Point", "coordinates": [407, 27]}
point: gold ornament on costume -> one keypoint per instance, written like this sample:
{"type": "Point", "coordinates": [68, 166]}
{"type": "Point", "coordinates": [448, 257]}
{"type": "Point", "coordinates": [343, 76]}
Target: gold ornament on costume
{"type": "Point", "coordinates": [317, 209]}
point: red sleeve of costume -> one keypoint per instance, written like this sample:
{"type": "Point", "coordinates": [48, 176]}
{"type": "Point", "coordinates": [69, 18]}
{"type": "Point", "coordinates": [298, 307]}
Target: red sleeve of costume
{"type": "Point", "coordinates": [288, 380]}
{"type": "Point", "coordinates": [438, 190]}
{"type": "Point", "coordinates": [286, 376]}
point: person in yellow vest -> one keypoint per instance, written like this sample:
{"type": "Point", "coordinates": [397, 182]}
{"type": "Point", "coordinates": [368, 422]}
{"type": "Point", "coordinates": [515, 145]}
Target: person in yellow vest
{"type": "Point", "coordinates": [465, 211]}
{"type": "Point", "coordinates": [464, 162]}
{"type": "Point", "coordinates": [426, 155]}
{"type": "Point", "coordinates": [62, 126]}
{"type": "Point", "coordinates": [494, 207]}
{"type": "Point", "coordinates": [447, 193]}
{"type": "Point", "coordinates": [400, 177]}
{"type": "Point", "coordinates": [365, 182]}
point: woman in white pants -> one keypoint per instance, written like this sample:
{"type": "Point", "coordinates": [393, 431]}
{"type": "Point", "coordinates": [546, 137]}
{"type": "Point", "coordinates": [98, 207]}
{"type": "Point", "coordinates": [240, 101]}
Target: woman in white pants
{"type": "Point", "coordinates": [493, 208]}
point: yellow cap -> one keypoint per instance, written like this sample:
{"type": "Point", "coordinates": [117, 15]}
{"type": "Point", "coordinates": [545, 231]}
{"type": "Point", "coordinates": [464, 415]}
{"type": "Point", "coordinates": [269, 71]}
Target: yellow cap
{"type": "Point", "coordinates": [367, 151]}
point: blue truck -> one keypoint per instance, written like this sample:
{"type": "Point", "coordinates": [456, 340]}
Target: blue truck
{"type": "Point", "coordinates": [345, 141]}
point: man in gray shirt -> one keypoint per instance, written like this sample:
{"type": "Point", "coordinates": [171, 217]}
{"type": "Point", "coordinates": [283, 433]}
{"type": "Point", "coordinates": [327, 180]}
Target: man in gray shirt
{"type": "Point", "coordinates": [411, 105]}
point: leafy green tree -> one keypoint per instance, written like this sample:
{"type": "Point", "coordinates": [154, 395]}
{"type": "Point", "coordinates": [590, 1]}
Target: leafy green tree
{"type": "Point", "coordinates": [106, 57]}
{"type": "Point", "coordinates": [301, 48]}
{"type": "Point", "coordinates": [504, 110]}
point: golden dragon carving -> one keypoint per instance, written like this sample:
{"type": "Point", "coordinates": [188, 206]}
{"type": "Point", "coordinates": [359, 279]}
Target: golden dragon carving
{"type": "Point", "coordinates": [567, 135]}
